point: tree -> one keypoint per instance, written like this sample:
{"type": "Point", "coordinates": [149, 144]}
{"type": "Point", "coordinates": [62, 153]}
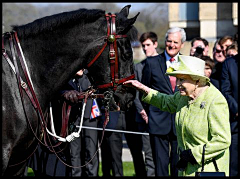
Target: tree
{"type": "Point", "coordinates": [153, 17]}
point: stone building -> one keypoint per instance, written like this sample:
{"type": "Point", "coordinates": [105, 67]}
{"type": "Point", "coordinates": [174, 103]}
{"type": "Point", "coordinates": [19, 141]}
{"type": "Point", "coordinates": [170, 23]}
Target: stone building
{"type": "Point", "coordinates": [207, 20]}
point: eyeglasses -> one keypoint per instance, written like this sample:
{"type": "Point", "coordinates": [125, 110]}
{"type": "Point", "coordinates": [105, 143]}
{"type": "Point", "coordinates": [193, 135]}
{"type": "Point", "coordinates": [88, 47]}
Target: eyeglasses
{"type": "Point", "coordinates": [219, 51]}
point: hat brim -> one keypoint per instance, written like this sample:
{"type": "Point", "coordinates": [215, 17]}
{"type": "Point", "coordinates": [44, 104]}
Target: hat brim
{"type": "Point", "coordinates": [174, 73]}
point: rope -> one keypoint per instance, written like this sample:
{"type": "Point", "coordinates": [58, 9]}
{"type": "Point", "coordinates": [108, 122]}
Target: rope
{"type": "Point", "coordinates": [113, 130]}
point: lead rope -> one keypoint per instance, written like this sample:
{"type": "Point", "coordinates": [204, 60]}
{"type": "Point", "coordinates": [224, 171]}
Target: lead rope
{"type": "Point", "coordinates": [107, 97]}
{"type": "Point", "coordinates": [73, 135]}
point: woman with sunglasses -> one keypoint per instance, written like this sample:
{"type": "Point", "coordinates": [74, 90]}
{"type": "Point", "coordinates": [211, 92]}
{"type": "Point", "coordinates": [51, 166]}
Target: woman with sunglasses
{"type": "Point", "coordinates": [218, 57]}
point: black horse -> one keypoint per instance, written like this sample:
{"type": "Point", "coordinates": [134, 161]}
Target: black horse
{"type": "Point", "coordinates": [55, 48]}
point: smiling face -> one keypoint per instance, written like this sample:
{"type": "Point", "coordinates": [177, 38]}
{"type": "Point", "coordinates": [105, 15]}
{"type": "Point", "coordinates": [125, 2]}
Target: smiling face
{"type": "Point", "coordinates": [186, 85]}
{"type": "Point", "coordinates": [173, 44]}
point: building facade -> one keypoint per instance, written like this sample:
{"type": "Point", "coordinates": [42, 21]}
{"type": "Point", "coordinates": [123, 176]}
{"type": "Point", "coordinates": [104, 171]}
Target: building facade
{"type": "Point", "coordinates": [207, 20]}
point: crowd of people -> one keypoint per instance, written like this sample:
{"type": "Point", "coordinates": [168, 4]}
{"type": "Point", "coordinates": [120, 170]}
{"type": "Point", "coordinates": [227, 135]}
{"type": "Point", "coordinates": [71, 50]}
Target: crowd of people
{"type": "Point", "coordinates": [174, 92]}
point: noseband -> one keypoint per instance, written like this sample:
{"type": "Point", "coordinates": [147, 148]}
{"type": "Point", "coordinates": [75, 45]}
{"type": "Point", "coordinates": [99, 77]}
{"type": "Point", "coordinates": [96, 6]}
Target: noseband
{"type": "Point", "coordinates": [111, 39]}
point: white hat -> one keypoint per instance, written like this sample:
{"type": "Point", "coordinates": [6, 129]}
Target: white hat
{"type": "Point", "coordinates": [188, 65]}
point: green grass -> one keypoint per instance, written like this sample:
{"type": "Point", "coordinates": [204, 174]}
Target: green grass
{"type": "Point", "coordinates": [128, 169]}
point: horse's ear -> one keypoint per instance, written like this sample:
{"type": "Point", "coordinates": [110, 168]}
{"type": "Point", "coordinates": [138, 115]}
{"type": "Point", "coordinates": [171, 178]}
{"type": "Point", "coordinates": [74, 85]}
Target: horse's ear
{"type": "Point", "coordinates": [132, 20]}
{"type": "Point", "coordinates": [128, 23]}
{"type": "Point", "coordinates": [125, 11]}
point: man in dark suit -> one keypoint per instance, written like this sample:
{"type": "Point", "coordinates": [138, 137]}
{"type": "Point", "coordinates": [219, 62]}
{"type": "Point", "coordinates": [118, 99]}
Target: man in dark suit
{"type": "Point", "coordinates": [162, 124]}
{"type": "Point", "coordinates": [229, 88]}
{"type": "Point", "coordinates": [83, 148]}
{"type": "Point", "coordinates": [149, 44]}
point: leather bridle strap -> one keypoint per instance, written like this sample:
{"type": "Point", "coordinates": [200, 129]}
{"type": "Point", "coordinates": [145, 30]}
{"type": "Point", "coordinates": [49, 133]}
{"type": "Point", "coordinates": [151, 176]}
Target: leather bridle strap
{"type": "Point", "coordinates": [31, 94]}
{"type": "Point", "coordinates": [23, 84]}
{"type": "Point", "coordinates": [113, 54]}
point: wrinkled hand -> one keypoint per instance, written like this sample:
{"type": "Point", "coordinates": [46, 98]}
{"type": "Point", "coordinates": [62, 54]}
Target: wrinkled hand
{"type": "Point", "coordinates": [137, 85]}
{"type": "Point", "coordinates": [144, 116]}
{"type": "Point", "coordinates": [72, 96]}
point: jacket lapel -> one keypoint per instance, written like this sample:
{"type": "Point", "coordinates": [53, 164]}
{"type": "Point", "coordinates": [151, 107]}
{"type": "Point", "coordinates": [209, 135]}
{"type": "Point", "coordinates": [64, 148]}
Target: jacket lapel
{"type": "Point", "coordinates": [163, 67]}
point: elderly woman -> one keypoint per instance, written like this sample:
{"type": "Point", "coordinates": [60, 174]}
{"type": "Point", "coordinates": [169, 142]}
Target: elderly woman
{"type": "Point", "coordinates": [202, 116]}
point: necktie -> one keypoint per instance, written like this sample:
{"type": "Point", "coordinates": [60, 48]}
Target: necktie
{"type": "Point", "coordinates": [172, 78]}
{"type": "Point", "coordinates": [172, 60]}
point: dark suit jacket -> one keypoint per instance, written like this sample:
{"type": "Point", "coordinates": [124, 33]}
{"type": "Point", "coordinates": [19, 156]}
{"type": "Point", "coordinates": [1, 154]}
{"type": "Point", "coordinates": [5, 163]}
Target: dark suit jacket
{"type": "Point", "coordinates": [229, 88]}
{"type": "Point", "coordinates": [139, 107]}
{"type": "Point", "coordinates": [159, 122]}
{"type": "Point", "coordinates": [215, 77]}
{"type": "Point", "coordinates": [79, 84]}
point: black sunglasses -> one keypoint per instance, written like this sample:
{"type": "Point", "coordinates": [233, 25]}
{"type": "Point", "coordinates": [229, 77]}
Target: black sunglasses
{"type": "Point", "coordinates": [219, 51]}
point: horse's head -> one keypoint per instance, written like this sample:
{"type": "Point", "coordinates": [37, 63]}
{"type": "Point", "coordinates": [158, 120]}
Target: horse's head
{"type": "Point", "coordinates": [115, 60]}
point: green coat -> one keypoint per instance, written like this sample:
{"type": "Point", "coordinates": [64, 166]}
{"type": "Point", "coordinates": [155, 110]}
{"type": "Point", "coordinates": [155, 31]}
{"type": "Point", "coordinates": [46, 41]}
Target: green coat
{"type": "Point", "coordinates": [202, 121]}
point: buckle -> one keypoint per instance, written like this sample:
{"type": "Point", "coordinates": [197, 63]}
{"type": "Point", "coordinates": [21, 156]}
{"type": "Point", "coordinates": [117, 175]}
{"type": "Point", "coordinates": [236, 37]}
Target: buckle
{"type": "Point", "coordinates": [23, 84]}
{"type": "Point", "coordinates": [112, 55]}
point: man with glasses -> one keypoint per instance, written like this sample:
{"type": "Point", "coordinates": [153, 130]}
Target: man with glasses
{"type": "Point", "coordinates": [218, 57]}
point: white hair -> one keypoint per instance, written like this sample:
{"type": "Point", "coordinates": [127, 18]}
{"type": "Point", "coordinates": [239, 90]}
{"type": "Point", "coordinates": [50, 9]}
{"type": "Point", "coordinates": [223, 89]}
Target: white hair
{"type": "Point", "coordinates": [177, 29]}
{"type": "Point", "coordinates": [202, 81]}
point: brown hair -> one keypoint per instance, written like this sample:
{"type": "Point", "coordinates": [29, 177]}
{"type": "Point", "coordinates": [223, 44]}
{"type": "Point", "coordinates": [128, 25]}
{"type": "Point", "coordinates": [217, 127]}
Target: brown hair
{"type": "Point", "coordinates": [233, 46]}
{"type": "Point", "coordinates": [148, 35]}
{"type": "Point", "coordinates": [224, 39]}
{"type": "Point", "coordinates": [208, 61]}
{"type": "Point", "coordinates": [205, 42]}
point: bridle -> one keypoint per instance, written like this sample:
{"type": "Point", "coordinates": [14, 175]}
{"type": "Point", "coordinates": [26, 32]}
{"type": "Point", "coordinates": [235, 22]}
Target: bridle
{"type": "Point", "coordinates": [111, 39]}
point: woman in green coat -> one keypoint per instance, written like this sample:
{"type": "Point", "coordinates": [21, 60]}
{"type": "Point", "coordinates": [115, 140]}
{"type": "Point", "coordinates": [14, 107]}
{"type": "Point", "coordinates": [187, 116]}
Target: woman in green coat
{"type": "Point", "coordinates": [202, 116]}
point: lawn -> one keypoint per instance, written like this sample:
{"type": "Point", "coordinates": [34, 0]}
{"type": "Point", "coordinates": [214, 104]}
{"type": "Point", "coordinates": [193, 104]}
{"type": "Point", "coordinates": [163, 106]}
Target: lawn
{"type": "Point", "coordinates": [128, 169]}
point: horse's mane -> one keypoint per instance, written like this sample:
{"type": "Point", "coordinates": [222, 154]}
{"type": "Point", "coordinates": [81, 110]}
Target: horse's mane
{"type": "Point", "coordinates": [49, 23]}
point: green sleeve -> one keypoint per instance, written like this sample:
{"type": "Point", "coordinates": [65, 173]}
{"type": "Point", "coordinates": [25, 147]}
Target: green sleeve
{"type": "Point", "coordinates": [162, 101]}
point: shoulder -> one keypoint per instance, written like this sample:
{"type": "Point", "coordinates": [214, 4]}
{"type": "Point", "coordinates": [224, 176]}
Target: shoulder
{"type": "Point", "coordinates": [230, 64]}
{"type": "Point", "coordinates": [71, 81]}
{"type": "Point", "coordinates": [143, 62]}
{"type": "Point", "coordinates": [231, 60]}
{"type": "Point", "coordinates": [153, 59]}
{"type": "Point", "coordinates": [214, 94]}
{"type": "Point", "coordinates": [140, 64]}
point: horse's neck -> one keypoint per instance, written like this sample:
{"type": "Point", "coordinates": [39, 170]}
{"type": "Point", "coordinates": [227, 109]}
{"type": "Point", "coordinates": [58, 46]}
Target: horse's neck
{"type": "Point", "coordinates": [54, 59]}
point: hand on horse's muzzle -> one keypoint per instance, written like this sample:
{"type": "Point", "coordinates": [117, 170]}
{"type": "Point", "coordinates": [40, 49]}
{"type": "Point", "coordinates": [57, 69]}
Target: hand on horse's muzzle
{"type": "Point", "coordinates": [72, 96]}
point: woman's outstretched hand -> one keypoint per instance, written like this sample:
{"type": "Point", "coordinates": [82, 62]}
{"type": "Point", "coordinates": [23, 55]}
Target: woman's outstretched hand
{"type": "Point", "coordinates": [137, 85]}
